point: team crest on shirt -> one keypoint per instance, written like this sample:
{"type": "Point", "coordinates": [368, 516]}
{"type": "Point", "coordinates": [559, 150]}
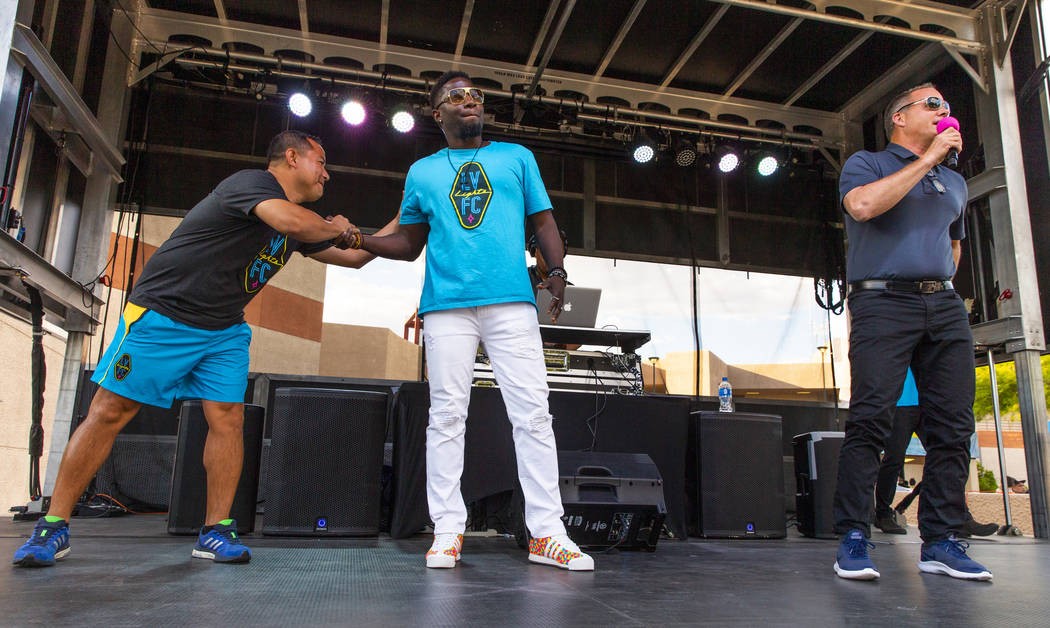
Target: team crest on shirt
{"type": "Point", "coordinates": [470, 194]}
{"type": "Point", "coordinates": [122, 368]}
{"type": "Point", "coordinates": [266, 264]}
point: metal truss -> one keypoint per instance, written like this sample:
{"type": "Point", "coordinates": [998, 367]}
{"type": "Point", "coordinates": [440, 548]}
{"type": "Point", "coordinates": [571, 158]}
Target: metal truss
{"type": "Point", "coordinates": [158, 25]}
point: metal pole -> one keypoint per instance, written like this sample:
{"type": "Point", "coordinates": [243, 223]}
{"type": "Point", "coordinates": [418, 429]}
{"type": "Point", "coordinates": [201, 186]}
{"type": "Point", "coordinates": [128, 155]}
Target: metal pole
{"type": "Point", "coordinates": [999, 438]}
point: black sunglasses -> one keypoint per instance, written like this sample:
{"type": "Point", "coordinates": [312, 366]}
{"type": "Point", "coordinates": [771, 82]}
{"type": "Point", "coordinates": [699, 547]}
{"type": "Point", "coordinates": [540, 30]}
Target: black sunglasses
{"type": "Point", "coordinates": [933, 103]}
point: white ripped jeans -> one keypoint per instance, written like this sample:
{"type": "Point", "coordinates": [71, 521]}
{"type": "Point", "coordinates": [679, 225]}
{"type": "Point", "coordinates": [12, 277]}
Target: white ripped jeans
{"type": "Point", "coordinates": [511, 335]}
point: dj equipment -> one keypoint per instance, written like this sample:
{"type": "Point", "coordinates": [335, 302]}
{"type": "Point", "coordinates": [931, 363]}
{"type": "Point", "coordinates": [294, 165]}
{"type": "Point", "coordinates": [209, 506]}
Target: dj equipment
{"type": "Point", "coordinates": [735, 476]}
{"type": "Point", "coordinates": [586, 371]}
{"type": "Point", "coordinates": [189, 481]}
{"type": "Point", "coordinates": [611, 499]}
{"type": "Point", "coordinates": [325, 462]}
{"type": "Point", "coordinates": [816, 476]}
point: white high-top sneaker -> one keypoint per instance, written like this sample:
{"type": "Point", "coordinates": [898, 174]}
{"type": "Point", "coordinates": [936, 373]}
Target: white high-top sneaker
{"type": "Point", "coordinates": [444, 553]}
{"type": "Point", "coordinates": [559, 551]}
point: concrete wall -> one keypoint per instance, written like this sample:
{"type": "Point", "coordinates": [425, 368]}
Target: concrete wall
{"type": "Point", "coordinates": [371, 352]}
{"type": "Point", "coordinates": [16, 404]}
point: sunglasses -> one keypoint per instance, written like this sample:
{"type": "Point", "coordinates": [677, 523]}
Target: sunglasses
{"type": "Point", "coordinates": [933, 103]}
{"type": "Point", "coordinates": [458, 95]}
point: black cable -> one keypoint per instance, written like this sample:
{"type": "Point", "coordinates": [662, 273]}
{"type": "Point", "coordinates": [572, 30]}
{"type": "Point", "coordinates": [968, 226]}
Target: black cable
{"type": "Point", "coordinates": [38, 377]}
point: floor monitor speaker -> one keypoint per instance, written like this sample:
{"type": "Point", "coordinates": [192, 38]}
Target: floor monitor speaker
{"type": "Point", "coordinates": [325, 462]}
{"type": "Point", "coordinates": [611, 499]}
{"type": "Point", "coordinates": [816, 475]}
{"type": "Point", "coordinates": [736, 481]}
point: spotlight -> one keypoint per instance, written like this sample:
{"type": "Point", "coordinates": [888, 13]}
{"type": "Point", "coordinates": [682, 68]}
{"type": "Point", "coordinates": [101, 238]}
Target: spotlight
{"type": "Point", "coordinates": [403, 121]}
{"type": "Point", "coordinates": [728, 161]}
{"type": "Point", "coordinates": [643, 153]}
{"type": "Point", "coordinates": [685, 153]}
{"type": "Point", "coordinates": [353, 112]}
{"type": "Point", "coordinates": [300, 104]}
{"type": "Point", "coordinates": [767, 165]}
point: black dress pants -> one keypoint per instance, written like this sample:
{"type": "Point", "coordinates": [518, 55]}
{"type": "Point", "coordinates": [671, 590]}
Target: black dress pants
{"type": "Point", "coordinates": [889, 331]}
{"type": "Point", "coordinates": [905, 422]}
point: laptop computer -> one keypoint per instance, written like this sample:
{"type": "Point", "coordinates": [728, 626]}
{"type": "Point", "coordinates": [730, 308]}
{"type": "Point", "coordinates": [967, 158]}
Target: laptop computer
{"type": "Point", "coordinates": [579, 310]}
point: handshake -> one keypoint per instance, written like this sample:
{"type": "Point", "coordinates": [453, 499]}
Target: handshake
{"type": "Point", "coordinates": [350, 238]}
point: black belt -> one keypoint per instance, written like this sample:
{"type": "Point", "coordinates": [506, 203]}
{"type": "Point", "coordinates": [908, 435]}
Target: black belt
{"type": "Point", "coordinates": [917, 287]}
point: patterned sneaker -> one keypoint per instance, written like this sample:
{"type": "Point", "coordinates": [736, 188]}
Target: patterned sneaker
{"type": "Point", "coordinates": [444, 553]}
{"type": "Point", "coordinates": [50, 542]}
{"type": "Point", "coordinates": [221, 544]}
{"type": "Point", "coordinates": [853, 562]}
{"type": "Point", "coordinates": [559, 551]}
{"type": "Point", "coordinates": [949, 557]}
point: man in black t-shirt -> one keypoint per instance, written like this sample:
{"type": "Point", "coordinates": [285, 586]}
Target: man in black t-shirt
{"type": "Point", "coordinates": [183, 333]}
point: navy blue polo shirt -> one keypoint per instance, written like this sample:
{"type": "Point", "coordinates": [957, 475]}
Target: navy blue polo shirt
{"type": "Point", "coordinates": [913, 240]}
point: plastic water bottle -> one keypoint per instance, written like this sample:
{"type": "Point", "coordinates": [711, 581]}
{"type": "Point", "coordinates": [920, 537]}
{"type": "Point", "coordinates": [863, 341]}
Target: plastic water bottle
{"type": "Point", "coordinates": [725, 396]}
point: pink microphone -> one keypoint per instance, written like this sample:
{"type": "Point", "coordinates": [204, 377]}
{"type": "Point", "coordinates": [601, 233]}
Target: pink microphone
{"type": "Point", "coordinates": [942, 125]}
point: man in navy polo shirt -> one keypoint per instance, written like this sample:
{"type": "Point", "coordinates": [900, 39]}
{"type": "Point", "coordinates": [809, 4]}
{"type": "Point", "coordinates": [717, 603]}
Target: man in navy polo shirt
{"type": "Point", "coordinates": [904, 220]}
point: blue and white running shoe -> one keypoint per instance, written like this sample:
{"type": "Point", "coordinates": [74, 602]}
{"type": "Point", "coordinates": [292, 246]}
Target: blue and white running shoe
{"type": "Point", "coordinates": [853, 562]}
{"type": "Point", "coordinates": [221, 544]}
{"type": "Point", "coordinates": [50, 542]}
{"type": "Point", "coordinates": [949, 557]}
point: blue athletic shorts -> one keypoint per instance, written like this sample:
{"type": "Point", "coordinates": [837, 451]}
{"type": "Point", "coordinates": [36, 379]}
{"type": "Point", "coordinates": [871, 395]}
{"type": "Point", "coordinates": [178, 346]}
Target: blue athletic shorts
{"type": "Point", "coordinates": [156, 360]}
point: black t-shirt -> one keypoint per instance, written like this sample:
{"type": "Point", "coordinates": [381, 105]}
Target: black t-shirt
{"type": "Point", "coordinates": [219, 256]}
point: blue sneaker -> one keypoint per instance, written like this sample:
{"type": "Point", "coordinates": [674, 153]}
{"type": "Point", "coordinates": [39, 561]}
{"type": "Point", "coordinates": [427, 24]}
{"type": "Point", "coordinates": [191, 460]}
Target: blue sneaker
{"type": "Point", "coordinates": [221, 544]}
{"type": "Point", "coordinates": [50, 542]}
{"type": "Point", "coordinates": [853, 562]}
{"type": "Point", "coordinates": [949, 558]}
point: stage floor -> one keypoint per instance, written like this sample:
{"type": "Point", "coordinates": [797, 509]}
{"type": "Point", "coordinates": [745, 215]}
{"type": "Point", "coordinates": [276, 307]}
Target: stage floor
{"type": "Point", "coordinates": [128, 571]}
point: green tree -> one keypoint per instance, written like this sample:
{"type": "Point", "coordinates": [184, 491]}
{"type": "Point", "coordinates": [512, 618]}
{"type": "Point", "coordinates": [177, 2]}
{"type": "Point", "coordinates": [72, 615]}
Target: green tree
{"type": "Point", "coordinates": [1006, 380]}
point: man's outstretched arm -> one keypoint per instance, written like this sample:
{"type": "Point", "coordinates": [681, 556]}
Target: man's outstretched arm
{"type": "Point", "coordinates": [353, 258]}
{"type": "Point", "coordinates": [406, 244]}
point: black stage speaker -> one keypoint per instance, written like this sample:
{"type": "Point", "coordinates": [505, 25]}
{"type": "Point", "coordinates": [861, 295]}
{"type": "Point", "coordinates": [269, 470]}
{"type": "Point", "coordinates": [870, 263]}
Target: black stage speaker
{"type": "Point", "coordinates": [611, 499]}
{"type": "Point", "coordinates": [816, 475]}
{"type": "Point", "coordinates": [325, 462]}
{"type": "Point", "coordinates": [189, 482]}
{"type": "Point", "coordinates": [736, 481]}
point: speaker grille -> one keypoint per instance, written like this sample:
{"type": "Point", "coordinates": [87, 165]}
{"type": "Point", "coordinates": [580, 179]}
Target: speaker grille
{"type": "Point", "coordinates": [325, 462]}
{"type": "Point", "coordinates": [741, 475]}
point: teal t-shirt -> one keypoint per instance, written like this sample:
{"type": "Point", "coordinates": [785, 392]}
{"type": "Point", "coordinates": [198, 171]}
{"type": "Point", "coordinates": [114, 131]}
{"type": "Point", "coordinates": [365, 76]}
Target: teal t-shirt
{"type": "Point", "coordinates": [475, 205]}
{"type": "Point", "coordinates": [909, 394]}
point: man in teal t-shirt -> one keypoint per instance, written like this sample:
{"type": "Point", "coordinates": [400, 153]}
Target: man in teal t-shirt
{"type": "Point", "coordinates": [468, 205]}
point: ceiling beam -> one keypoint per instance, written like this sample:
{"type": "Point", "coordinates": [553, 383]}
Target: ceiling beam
{"type": "Point", "coordinates": [832, 63]}
{"type": "Point", "coordinates": [551, 45]}
{"type": "Point", "coordinates": [617, 41]}
{"type": "Point", "coordinates": [384, 23]}
{"type": "Point", "coordinates": [922, 64]}
{"type": "Point", "coordinates": [763, 55]}
{"type": "Point", "coordinates": [220, 10]}
{"type": "Point", "coordinates": [304, 21]}
{"type": "Point", "coordinates": [464, 26]}
{"type": "Point", "coordinates": [963, 22]}
{"type": "Point", "coordinates": [690, 50]}
{"type": "Point", "coordinates": [548, 19]}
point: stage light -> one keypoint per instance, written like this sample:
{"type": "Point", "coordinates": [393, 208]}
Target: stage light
{"type": "Point", "coordinates": [643, 153]}
{"type": "Point", "coordinates": [767, 165]}
{"type": "Point", "coordinates": [685, 153]}
{"type": "Point", "coordinates": [353, 112]}
{"type": "Point", "coordinates": [300, 104]}
{"type": "Point", "coordinates": [728, 162]}
{"type": "Point", "coordinates": [403, 121]}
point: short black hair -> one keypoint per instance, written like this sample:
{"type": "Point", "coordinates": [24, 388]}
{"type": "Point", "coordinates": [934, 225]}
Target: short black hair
{"type": "Point", "coordinates": [440, 82]}
{"type": "Point", "coordinates": [895, 103]}
{"type": "Point", "coordinates": [289, 139]}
